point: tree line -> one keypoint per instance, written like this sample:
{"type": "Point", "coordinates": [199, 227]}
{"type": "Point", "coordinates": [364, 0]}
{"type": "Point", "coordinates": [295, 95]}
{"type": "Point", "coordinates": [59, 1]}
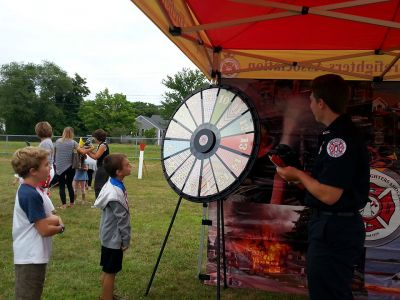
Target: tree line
{"type": "Point", "coordinates": [30, 93]}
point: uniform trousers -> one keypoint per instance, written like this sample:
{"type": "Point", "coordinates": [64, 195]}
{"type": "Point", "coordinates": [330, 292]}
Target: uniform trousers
{"type": "Point", "coordinates": [336, 244]}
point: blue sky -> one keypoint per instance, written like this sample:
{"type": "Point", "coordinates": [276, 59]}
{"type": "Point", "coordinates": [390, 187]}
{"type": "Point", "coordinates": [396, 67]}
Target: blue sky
{"type": "Point", "coordinates": [110, 43]}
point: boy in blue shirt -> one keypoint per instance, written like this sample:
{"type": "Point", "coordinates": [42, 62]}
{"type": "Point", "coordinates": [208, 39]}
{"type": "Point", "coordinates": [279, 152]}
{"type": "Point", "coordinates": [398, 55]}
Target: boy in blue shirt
{"type": "Point", "coordinates": [33, 223]}
{"type": "Point", "coordinates": [115, 225]}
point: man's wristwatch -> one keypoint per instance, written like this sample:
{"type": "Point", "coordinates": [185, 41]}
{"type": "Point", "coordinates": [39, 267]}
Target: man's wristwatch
{"type": "Point", "coordinates": [62, 228]}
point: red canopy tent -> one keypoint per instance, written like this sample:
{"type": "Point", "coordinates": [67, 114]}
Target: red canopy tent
{"type": "Point", "coordinates": [289, 39]}
{"type": "Point", "coordinates": [295, 39]}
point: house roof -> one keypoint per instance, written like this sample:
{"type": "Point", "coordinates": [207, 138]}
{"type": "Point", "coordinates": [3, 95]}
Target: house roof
{"type": "Point", "coordinates": [154, 120]}
{"type": "Point", "coordinates": [158, 119]}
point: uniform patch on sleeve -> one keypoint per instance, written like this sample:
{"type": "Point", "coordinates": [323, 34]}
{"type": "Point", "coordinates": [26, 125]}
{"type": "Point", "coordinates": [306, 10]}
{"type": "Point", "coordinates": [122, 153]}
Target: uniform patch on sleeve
{"type": "Point", "coordinates": [336, 147]}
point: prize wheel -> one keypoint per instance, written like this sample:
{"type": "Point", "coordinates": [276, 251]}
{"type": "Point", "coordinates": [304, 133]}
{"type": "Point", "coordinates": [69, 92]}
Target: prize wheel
{"type": "Point", "coordinates": [210, 144]}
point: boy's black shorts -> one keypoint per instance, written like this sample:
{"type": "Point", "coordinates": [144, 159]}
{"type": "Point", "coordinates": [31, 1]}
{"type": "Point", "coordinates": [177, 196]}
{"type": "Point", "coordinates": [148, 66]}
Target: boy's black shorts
{"type": "Point", "coordinates": [111, 260]}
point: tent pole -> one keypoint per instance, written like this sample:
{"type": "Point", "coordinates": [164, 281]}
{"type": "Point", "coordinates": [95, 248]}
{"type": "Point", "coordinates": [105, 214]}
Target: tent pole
{"type": "Point", "coordinates": [322, 7]}
{"type": "Point", "coordinates": [323, 11]}
{"type": "Point", "coordinates": [293, 10]}
{"type": "Point", "coordinates": [200, 40]}
{"type": "Point", "coordinates": [215, 72]}
{"type": "Point", "coordinates": [255, 19]}
{"type": "Point", "coordinates": [392, 63]}
{"type": "Point", "coordinates": [343, 16]}
{"type": "Point", "coordinates": [165, 13]}
{"type": "Point", "coordinates": [223, 242]}
{"type": "Point", "coordinates": [218, 241]}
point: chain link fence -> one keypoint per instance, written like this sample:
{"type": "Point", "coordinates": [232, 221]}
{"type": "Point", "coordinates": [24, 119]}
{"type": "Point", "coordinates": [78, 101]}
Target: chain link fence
{"type": "Point", "coordinates": [118, 144]}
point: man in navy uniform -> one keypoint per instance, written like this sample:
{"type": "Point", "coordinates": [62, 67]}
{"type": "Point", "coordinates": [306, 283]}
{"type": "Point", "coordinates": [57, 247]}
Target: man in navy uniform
{"type": "Point", "coordinates": [337, 188]}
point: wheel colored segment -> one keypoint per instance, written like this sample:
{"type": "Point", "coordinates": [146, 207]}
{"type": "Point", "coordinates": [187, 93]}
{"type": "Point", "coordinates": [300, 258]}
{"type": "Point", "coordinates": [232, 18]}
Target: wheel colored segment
{"type": "Point", "coordinates": [172, 147]}
{"type": "Point", "coordinates": [210, 144]}
{"type": "Point", "coordinates": [242, 142]}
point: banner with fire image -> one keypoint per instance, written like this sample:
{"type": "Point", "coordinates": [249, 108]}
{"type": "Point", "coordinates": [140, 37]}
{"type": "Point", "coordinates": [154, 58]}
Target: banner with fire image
{"type": "Point", "coordinates": [265, 220]}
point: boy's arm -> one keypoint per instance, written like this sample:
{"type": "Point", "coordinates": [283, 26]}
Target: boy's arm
{"type": "Point", "coordinates": [54, 220]}
{"type": "Point", "coordinates": [31, 202]}
{"type": "Point", "coordinates": [123, 223]}
{"type": "Point", "coordinates": [49, 226]}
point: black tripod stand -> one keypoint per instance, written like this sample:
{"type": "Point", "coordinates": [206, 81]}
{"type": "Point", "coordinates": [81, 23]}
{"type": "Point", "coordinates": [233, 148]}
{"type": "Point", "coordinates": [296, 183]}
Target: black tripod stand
{"type": "Point", "coordinates": [219, 240]}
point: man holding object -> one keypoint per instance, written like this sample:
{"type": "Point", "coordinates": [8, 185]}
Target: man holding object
{"type": "Point", "coordinates": [336, 190]}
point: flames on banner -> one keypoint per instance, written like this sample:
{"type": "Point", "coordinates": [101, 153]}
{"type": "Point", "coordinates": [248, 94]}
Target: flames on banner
{"type": "Point", "coordinates": [264, 256]}
{"type": "Point", "coordinates": [261, 240]}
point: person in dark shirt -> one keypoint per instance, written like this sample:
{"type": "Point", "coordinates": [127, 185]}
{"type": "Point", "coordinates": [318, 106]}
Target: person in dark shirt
{"type": "Point", "coordinates": [102, 151]}
{"type": "Point", "coordinates": [336, 190]}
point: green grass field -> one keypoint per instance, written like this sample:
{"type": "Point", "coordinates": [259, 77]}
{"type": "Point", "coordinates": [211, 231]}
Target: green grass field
{"type": "Point", "coordinates": [74, 271]}
{"type": "Point", "coordinates": [152, 152]}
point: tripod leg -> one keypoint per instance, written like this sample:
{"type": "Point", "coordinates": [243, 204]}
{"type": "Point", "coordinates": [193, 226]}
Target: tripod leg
{"type": "Point", "coordinates": [218, 250]}
{"type": "Point", "coordinates": [223, 243]}
{"type": "Point", "coordinates": [163, 246]}
{"type": "Point", "coordinates": [201, 247]}
{"type": "Point", "coordinates": [145, 168]}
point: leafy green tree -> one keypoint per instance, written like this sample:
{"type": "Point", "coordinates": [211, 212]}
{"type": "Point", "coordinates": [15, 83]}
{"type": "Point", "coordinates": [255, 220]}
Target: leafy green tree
{"type": "Point", "coordinates": [146, 109]}
{"type": "Point", "coordinates": [180, 85]}
{"type": "Point", "coordinates": [18, 97]}
{"type": "Point", "coordinates": [113, 113]}
{"type": "Point", "coordinates": [30, 93]}
{"type": "Point", "coordinates": [66, 92]}
{"type": "Point", "coordinates": [73, 101]}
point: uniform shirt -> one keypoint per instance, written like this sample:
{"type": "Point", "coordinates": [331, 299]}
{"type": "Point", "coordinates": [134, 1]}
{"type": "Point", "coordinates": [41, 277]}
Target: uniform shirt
{"type": "Point", "coordinates": [30, 206]}
{"type": "Point", "coordinates": [342, 162]}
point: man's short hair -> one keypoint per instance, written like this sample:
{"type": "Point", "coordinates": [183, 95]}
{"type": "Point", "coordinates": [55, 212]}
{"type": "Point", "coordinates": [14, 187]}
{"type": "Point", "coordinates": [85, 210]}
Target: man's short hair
{"type": "Point", "coordinates": [333, 90]}
{"type": "Point", "coordinates": [28, 158]}
{"type": "Point", "coordinates": [113, 162]}
{"type": "Point", "coordinates": [43, 130]}
{"type": "Point", "coordinates": [100, 135]}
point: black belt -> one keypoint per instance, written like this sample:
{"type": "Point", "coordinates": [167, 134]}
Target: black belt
{"type": "Point", "coordinates": [318, 212]}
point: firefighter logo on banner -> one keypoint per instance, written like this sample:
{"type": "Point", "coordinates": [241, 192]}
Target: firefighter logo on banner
{"type": "Point", "coordinates": [229, 66]}
{"type": "Point", "coordinates": [382, 213]}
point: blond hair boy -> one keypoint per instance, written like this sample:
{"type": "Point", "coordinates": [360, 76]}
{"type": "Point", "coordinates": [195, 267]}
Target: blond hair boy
{"type": "Point", "coordinates": [33, 223]}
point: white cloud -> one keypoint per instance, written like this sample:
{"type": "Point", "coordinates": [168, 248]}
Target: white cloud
{"type": "Point", "coordinates": [110, 43]}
